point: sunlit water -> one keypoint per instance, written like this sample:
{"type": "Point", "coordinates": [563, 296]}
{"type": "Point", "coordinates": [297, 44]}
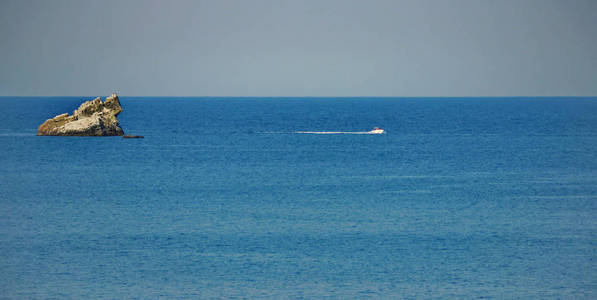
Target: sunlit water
{"type": "Point", "coordinates": [461, 198]}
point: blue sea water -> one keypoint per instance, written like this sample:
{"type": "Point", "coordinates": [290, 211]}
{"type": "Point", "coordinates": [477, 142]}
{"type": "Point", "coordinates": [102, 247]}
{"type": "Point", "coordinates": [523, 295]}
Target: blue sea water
{"type": "Point", "coordinates": [462, 198]}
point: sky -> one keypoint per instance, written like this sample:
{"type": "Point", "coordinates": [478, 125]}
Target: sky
{"type": "Point", "coordinates": [320, 48]}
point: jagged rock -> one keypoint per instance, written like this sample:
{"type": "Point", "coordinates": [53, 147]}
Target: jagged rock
{"type": "Point", "coordinates": [92, 118]}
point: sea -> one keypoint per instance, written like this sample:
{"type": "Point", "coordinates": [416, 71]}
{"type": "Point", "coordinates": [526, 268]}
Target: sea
{"type": "Point", "coordinates": [224, 198]}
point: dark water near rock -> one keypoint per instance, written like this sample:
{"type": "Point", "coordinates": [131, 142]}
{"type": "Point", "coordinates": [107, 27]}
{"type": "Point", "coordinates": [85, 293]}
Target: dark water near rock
{"type": "Point", "coordinates": [462, 198]}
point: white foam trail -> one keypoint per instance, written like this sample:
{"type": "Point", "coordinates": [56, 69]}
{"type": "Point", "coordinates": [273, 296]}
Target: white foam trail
{"type": "Point", "coordinates": [336, 132]}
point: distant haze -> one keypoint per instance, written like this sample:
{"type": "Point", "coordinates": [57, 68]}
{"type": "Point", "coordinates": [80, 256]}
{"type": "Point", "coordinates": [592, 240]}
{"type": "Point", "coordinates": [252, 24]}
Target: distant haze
{"type": "Point", "coordinates": [299, 48]}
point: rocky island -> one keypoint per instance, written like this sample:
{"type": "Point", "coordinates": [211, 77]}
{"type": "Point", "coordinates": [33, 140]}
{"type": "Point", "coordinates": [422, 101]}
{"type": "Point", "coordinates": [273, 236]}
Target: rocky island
{"type": "Point", "coordinates": [92, 118]}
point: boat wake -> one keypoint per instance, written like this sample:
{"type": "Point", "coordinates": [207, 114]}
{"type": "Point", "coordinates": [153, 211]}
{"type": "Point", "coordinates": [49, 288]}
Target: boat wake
{"type": "Point", "coordinates": [335, 132]}
{"type": "Point", "coordinates": [374, 131]}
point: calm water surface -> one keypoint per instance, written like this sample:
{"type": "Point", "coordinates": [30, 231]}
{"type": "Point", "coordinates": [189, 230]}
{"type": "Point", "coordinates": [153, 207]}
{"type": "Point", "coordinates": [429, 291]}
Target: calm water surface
{"type": "Point", "coordinates": [462, 198]}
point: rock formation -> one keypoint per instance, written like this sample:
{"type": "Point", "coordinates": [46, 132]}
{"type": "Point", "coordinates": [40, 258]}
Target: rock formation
{"type": "Point", "coordinates": [92, 118]}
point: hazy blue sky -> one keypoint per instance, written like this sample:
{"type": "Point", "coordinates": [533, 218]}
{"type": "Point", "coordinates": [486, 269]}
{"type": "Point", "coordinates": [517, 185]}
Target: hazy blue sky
{"type": "Point", "coordinates": [299, 48]}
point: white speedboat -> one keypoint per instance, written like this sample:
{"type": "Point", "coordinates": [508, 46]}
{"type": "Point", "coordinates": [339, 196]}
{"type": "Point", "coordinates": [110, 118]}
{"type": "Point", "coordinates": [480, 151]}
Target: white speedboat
{"type": "Point", "coordinates": [376, 130]}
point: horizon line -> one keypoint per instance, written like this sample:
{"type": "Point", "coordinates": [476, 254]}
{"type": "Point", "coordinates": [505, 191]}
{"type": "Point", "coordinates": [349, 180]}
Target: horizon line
{"type": "Point", "coordinates": [296, 97]}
